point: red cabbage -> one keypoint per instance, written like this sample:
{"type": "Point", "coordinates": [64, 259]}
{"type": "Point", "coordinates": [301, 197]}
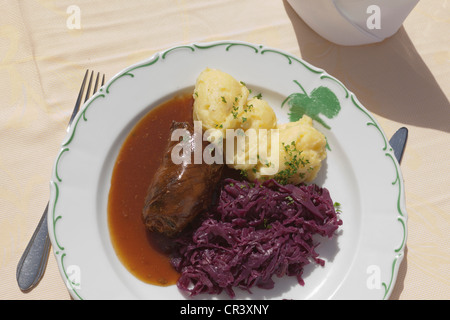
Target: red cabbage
{"type": "Point", "coordinates": [254, 231]}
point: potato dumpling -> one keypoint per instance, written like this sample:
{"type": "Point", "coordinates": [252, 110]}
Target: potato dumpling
{"type": "Point", "coordinates": [254, 116]}
{"type": "Point", "coordinates": [218, 98]}
{"type": "Point", "coordinates": [257, 114]}
{"type": "Point", "coordinates": [293, 153]}
{"type": "Point", "coordinates": [302, 148]}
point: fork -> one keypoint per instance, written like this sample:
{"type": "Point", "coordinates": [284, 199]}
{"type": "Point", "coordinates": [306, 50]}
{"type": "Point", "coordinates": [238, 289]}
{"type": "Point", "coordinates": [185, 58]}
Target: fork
{"type": "Point", "coordinates": [32, 264]}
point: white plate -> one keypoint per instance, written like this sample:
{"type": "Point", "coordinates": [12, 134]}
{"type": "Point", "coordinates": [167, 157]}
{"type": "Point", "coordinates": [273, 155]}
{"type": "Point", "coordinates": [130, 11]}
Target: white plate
{"type": "Point", "coordinates": [360, 171]}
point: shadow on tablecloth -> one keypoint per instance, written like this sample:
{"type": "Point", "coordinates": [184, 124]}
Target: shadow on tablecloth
{"type": "Point", "coordinates": [389, 78]}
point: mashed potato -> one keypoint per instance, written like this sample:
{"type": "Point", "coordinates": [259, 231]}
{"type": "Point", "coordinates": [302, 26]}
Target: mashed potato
{"type": "Point", "coordinates": [257, 114]}
{"type": "Point", "coordinates": [221, 102]}
{"type": "Point", "coordinates": [301, 150]}
{"type": "Point", "coordinates": [217, 99]}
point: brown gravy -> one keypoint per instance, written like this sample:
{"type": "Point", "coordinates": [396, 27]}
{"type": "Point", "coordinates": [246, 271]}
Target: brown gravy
{"type": "Point", "coordinates": [136, 164]}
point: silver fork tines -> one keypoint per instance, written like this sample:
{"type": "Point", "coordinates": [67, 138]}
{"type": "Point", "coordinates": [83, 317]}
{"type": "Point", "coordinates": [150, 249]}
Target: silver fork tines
{"type": "Point", "coordinates": [80, 94]}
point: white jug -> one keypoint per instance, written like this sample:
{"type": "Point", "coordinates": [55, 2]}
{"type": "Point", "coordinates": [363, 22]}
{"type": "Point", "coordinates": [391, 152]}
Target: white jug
{"type": "Point", "coordinates": [354, 22]}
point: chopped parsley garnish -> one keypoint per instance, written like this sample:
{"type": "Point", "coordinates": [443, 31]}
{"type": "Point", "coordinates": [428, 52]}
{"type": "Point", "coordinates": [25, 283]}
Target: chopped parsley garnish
{"type": "Point", "coordinates": [289, 199]}
{"type": "Point", "coordinates": [293, 162]}
{"type": "Point", "coordinates": [337, 207]}
{"type": "Point", "coordinates": [248, 107]}
{"type": "Point", "coordinates": [243, 174]}
{"type": "Point", "coordinates": [234, 112]}
{"type": "Point", "coordinates": [266, 224]}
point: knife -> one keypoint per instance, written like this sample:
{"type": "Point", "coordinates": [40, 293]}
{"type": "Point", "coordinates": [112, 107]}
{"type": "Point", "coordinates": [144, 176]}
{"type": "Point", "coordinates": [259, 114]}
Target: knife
{"type": "Point", "coordinates": [398, 142]}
